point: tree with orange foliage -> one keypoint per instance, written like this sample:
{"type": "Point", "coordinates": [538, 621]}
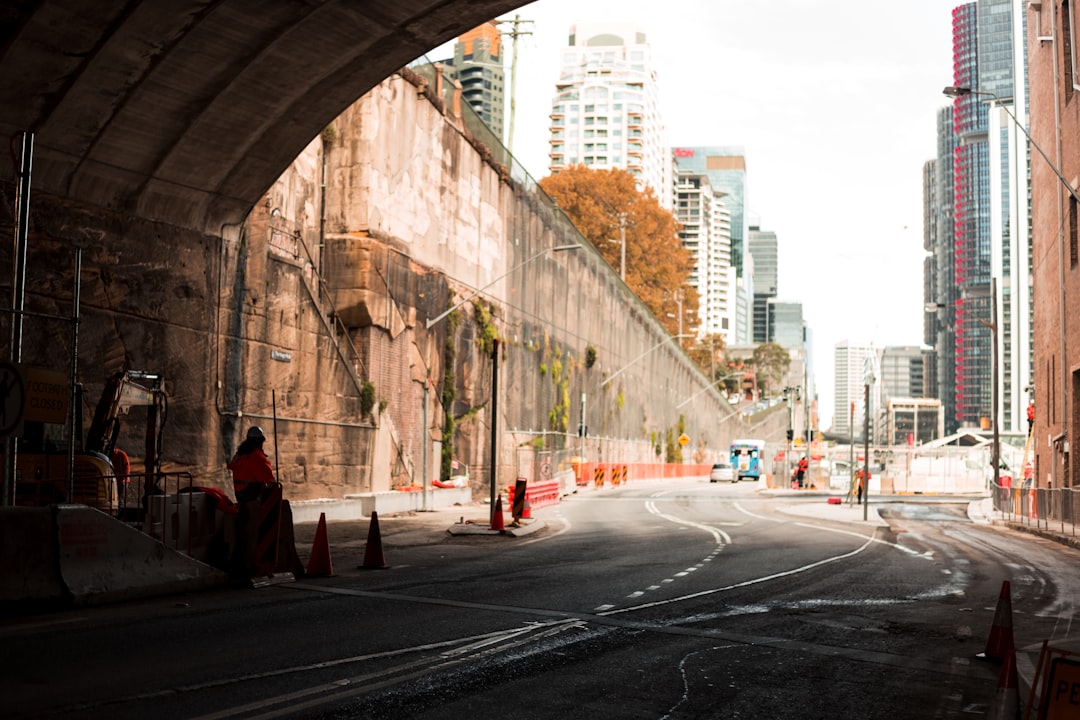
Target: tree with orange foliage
{"type": "Point", "coordinates": [602, 204]}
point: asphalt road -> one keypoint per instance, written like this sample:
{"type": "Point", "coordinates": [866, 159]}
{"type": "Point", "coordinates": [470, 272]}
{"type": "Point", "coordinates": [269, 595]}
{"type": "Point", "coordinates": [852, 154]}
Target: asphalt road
{"type": "Point", "coordinates": [685, 600]}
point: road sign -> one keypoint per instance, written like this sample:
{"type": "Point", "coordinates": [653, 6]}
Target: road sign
{"type": "Point", "coordinates": [683, 440]}
{"type": "Point", "coordinates": [1062, 699]}
{"type": "Point", "coordinates": [12, 398]}
{"type": "Point", "coordinates": [47, 395]}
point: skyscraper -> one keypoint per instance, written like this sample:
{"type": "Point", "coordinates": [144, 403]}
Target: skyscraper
{"type": "Point", "coordinates": [706, 232]}
{"type": "Point", "coordinates": [726, 167]}
{"type": "Point", "coordinates": [981, 176]}
{"type": "Point", "coordinates": [606, 112]}
{"type": "Point", "coordinates": [762, 247]}
{"type": "Point", "coordinates": [1002, 71]}
{"type": "Point", "coordinates": [478, 66]}
{"type": "Point", "coordinates": [850, 366]}
{"type": "Point", "coordinates": [971, 227]}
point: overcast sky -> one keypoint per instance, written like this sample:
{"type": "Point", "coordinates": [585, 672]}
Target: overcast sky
{"type": "Point", "coordinates": [835, 104]}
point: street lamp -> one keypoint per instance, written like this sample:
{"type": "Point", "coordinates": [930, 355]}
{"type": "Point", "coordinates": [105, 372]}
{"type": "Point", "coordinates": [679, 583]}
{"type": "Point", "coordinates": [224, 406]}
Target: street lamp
{"type": "Point", "coordinates": [710, 386]}
{"type": "Point", "coordinates": [523, 263]}
{"type": "Point", "coordinates": [494, 367]}
{"type": "Point", "coordinates": [618, 372]}
{"type": "Point", "coordinates": [957, 92]}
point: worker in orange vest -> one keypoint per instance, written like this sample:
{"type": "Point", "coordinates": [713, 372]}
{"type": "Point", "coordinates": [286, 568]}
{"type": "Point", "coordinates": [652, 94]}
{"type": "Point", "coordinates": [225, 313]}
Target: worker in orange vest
{"type": "Point", "coordinates": [800, 472]}
{"type": "Point", "coordinates": [251, 470]}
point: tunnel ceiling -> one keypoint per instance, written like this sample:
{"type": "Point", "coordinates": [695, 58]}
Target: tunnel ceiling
{"type": "Point", "coordinates": [186, 112]}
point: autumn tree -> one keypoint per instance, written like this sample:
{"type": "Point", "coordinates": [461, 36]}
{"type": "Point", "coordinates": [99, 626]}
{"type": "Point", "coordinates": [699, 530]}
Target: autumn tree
{"type": "Point", "coordinates": [771, 362]}
{"type": "Point", "coordinates": [708, 354]}
{"type": "Point", "coordinates": [603, 205]}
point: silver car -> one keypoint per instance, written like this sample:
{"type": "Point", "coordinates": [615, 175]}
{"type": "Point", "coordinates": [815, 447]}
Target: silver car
{"type": "Point", "coordinates": [722, 472]}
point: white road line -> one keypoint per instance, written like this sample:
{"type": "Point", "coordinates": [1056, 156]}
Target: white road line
{"type": "Point", "coordinates": [745, 583]}
{"type": "Point", "coordinates": [720, 536]}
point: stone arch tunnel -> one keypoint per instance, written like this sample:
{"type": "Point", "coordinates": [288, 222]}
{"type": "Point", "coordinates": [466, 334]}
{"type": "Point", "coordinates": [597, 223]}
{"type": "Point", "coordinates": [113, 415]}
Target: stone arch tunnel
{"type": "Point", "coordinates": [157, 109]}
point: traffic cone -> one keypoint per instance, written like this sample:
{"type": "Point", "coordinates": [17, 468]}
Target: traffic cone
{"type": "Point", "coordinates": [373, 555]}
{"type": "Point", "coordinates": [319, 564]}
{"type": "Point", "coordinates": [497, 520]}
{"type": "Point", "coordinates": [1007, 701]}
{"type": "Point", "coordinates": [1000, 642]}
{"type": "Point", "coordinates": [527, 513]}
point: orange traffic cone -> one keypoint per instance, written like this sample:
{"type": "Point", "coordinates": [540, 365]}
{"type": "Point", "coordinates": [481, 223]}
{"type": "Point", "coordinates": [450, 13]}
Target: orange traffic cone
{"type": "Point", "coordinates": [373, 556]}
{"type": "Point", "coordinates": [1000, 642]}
{"type": "Point", "coordinates": [527, 512]}
{"type": "Point", "coordinates": [497, 520]}
{"type": "Point", "coordinates": [319, 564]}
{"type": "Point", "coordinates": [1007, 701]}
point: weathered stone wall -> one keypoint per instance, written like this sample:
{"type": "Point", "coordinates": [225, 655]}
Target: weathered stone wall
{"type": "Point", "coordinates": [389, 218]}
{"type": "Point", "coordinates": [405, 188]}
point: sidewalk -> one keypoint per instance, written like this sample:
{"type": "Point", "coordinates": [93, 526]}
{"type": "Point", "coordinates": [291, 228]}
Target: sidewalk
{"type": "Point", "coordinates": [348, 538]}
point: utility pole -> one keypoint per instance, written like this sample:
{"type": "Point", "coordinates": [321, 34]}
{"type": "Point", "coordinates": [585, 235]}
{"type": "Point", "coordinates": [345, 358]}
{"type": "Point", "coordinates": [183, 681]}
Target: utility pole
{"type": "Point", "coordinates": [514, 34]}
{"type": "Point", "coordinates": [622, 241]}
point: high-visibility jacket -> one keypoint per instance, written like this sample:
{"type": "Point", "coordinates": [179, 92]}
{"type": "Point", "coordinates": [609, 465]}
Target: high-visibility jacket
{"type": "Point", "coordinates": [251, 468]}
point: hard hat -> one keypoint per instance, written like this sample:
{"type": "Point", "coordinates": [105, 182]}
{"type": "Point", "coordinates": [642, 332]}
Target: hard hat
{"type": "Point", "coordinates": [256, 433]}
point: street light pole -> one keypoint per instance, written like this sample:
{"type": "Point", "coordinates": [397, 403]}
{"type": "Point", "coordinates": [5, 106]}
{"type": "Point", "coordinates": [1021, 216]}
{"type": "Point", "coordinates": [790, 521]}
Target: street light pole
{"type": "Point", "coordinates": [956, 92]}
{"type": "Point", "coordinates": [622, 241]}
{"type": "Point", "coordinates": [618, 372]}
{"type": "Point", "coordinates": [523, 263]}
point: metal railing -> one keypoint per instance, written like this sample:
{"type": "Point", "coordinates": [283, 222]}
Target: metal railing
{"type": "Point", "coordinates": [1050, 509]}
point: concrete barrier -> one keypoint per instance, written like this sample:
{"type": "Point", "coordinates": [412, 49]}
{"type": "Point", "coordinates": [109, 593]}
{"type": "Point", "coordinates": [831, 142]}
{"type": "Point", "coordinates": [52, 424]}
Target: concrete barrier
{"type": "Point", "coordinates": [105, 560]}
{"type": "Point", "coordinates": [31, 568]}
{"type": "Point", "coordinates": [384, 503]}
{"type": "Point", "coordinates": [76, 555]}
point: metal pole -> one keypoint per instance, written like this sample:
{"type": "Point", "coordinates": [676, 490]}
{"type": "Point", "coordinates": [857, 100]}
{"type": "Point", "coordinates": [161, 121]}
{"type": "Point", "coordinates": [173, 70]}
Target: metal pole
{"type": "Point", "coordinates": [494, 454]}
{"type": "Point", "coordinates": [424, 435]}
{"type": "Point", "coordinates": [18, 296]}
{"type": "Point", "coordinates": [581, 433]}
{"type": "Point", "coordinates": [622, 240]}
{"type": "Point", "coordinates": [72, 413]}
{"type": "Point", "coordinates": [273, 401]}
{"type": "Point", "coordinates": [851, 463]}
{"type": "Point", "coordinates": [866, 450]}
{"type": "Point", "coordinates": [994, 360]}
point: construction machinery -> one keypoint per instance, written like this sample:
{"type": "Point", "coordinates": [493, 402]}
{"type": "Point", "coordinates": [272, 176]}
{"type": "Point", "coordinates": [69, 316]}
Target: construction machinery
{"type": "Point", "coordinates": [42, 467]}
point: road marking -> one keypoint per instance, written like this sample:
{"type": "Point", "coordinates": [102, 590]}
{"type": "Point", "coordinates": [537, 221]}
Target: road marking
{"type": "Point", "coordinates": [602, 608]}
{"type": "Point", "coordinates": [745, 583]}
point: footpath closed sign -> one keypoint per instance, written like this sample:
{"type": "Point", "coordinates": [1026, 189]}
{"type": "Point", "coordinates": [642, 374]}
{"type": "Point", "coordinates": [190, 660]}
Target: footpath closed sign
{"type": "Point", "coordinates": [47, 396]}
{"type": "Point", "coordinates": [1062, 700]}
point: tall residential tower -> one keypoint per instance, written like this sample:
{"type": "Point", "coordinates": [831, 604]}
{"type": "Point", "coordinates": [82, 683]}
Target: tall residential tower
{"type": "Point", "coordinates": [606, 112]}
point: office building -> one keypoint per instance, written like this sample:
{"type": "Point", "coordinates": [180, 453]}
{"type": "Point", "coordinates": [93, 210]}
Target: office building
{"type": "Point", "coordinates": [726, 169]}
{"type": "Point", "coordinates": [606, 112]}
{"type": "Point", "coordinates": [706, 232]}
{"type": "Point", "coordinates": [853, 364]}
{"type": "Point", "coordinates": [762, 246]}
{"type": "Point", "coordinates": [478, 66]}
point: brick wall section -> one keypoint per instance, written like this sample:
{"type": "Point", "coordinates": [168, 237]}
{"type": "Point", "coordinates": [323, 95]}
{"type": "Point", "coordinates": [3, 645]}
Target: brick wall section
{"type": "Point", "coordinates": [1055, 126]}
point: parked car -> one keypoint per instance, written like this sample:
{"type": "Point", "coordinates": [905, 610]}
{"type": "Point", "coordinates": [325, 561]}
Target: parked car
{"type": "Point", "coordinates": [722, 472]}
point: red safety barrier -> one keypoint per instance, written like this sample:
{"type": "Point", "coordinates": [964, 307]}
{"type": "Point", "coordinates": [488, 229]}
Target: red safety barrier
{"type": "Point", "coordinates": [539, 494]}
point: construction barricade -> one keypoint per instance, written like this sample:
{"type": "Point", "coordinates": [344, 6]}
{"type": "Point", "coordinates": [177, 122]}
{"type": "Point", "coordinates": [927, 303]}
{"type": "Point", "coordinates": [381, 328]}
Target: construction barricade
{"type": "Point", "coordinates": [538, 494]}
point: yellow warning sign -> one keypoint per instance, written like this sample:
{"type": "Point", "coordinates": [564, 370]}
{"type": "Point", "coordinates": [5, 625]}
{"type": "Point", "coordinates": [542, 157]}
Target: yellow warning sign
{"type": "Point", "coordinates": [1062, 699]}
{"type": "Point", "coordinates": [47, 396]}
{"type": "Point", "coordinates": [683, 439]}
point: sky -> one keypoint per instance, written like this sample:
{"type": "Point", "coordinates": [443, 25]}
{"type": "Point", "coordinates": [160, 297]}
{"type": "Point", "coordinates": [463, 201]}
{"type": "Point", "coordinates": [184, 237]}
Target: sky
{"type": "Point", "coordinates": [835, 104]}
